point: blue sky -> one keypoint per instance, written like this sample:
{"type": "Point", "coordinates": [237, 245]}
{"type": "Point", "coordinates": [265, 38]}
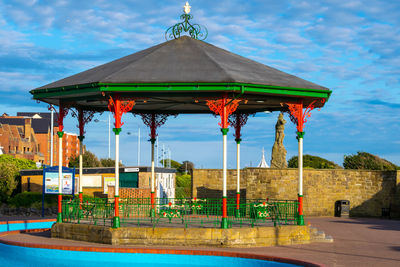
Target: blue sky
{"type": "Point", "coordinates": [351, 47]}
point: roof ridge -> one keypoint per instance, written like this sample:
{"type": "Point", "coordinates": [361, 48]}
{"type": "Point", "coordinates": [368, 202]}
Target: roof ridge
{"type": "Point", "coordinates": [153, 48]}
{"type": "Point", "coordinates": [212, 60]}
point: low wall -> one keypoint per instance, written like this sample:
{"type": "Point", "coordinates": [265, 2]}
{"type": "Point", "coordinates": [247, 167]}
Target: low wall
{"type": "Point", "coordinates": [368, 191]}
{"type": "Point", "coordinates": [215, 237]}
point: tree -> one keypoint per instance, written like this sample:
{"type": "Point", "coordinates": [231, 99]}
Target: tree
{"type": "Point", "coordinates": [174, 164]}
{"type": "Point", "coordinates": [88, 160]}
{"type": "Point", "coordinates": [186, 167]}
{"type": "Point", "coordinates": [367, 161]}
{"type": "Point", "coordinates": [313, 162]}
{"type": "Point", "coordinates": [109, 163]}
{"type": "Point", "coordinates": [9, 172]}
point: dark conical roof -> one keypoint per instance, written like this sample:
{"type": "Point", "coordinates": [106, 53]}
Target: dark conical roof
{"type": "Point", "coordinates": [185, 60]}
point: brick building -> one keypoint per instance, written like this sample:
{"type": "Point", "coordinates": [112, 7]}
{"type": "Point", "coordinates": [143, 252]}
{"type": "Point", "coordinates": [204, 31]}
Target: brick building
{"type": "Point", "coordinates": [39, 125]}
{"type": "Point", "coordinates": [18, 139]}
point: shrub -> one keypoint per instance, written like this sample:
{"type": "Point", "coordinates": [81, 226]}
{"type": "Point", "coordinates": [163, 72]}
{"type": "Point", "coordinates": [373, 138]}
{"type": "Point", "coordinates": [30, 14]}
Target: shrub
{"type": "Point", "coordinates": [183, 186]}
{"type": "Point", "coordinates": [367, 161]}
{"type": "Point", "coordinates": [184, 180]}
{"type": "Point", "coordinates": [9, 172]}
{"type": "Point", "coordinates": [313, 162]}
{"type": "Point", "coordinates": [29, 199]}
{"type": "Point", "coordinates": [20, 164]}
{"type": "Point", "coordinates": [88, 160]}
{"type": "Point", "coordinates": [8, 181]}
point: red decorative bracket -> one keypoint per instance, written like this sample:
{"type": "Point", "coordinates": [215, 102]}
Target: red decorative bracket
{"type": "Point", "coordinates": [63, 112]}
{"type": "Point", "coordinates": [238, 120]}
{"type": "Point", "coordinates": [84, 117]}
{"type": "Point", "coordinates": [154, 121]}
{"type": "Point", "coordinates": [296, 114]}
{"type": "Point", "coordinates": [223, 107]}
{"type": "Point", "coordinates": [119, 107]}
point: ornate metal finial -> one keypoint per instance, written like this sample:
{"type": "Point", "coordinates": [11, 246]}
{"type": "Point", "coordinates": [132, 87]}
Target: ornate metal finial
{"type": "Point", "coordinates": [195, 31]}
{"type": "Point", "coordinates": [186, 8]}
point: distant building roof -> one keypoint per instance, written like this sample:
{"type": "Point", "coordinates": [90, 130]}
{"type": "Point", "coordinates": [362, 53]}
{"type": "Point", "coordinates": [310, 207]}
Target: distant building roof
{"type": "Point", "coordinates": [41, 115]}
{"type": "Point", "coordinates": [12, 121]}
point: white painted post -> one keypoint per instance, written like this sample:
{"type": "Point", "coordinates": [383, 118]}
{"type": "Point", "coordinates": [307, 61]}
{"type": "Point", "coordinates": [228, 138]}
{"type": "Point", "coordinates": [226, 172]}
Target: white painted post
{"type": "Point", "coordinates": [80, 165]}
{"type": "Point", "coordinates": [117, 165]}
{"type": "Point", "coordinates": [238, 166]}
{"type": "Point", "coordinates": [152, 167]}
{"type": "Point", "coordinates": [60, 165]}
{"type": "Point", "coordinates": [300, 163]}
{"type": "Point", "coordinates": [224, 159]}
{"type": "Point", "coordinates": [59, 214]}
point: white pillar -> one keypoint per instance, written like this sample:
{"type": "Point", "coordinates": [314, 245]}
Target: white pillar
{"type": "Point", "coordinates": [300, 165]}
{"type": "Point", "coordinates": [152, 167]}
{"type": "Point", "coordinates": [60, 165]}
{"type": "Point", "coordinates": [109, 137]}
{"type": "Point", "coordinates": [80, 165]}
{"type": "Point", "coordinates": [116, 165]}
{"type": "Point", "coordinates": [238, 166]}
{"type": "Point", "coordinates": [224, 160]}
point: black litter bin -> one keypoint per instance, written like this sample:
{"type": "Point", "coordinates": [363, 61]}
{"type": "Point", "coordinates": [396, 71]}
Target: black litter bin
{"type": "Point", "coordinates": [342, 208]}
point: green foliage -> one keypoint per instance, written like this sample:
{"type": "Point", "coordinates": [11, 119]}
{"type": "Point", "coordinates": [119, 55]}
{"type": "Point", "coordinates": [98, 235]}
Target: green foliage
{"type": "Point", "coordinates": [183, 186]}
{"type": "Point", "coordinates": [88, 160]}
{"type": "Point", "coordinates": [9, 173]}
{"type": "Point", "coordinates": [109, 163]}
{"type": "Point", "coordinates": [186, 166]}
{"type": "Point", "coordinates": [20, 164]}
{"type": "Point", "coordinates": [32, 199]}
{"type": "Point", "coordinates": [184, 180]}
{"type": "Point", "coordinates": [174, 164]}
{"type": "Point", "coordinates": [367, 161]}
{"type": "Point", "coordinates": [8, 181]}
{"type": "Point", "coordinates": [313, 162]}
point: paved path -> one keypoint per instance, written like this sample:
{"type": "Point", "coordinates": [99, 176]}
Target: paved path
{"type": "Point", "coordinates": [357, 242]}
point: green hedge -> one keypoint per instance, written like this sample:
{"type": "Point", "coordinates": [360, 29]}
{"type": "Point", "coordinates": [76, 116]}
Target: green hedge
{"type": "Point", "coordinates": [313, 162]}
{"type": "Point", "coordinates": [367, 161]}
{"type": "Point", "coordinates": [29, 199]}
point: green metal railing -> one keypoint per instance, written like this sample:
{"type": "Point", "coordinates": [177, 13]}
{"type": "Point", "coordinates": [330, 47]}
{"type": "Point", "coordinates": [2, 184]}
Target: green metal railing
{"type": "Point", "coordinates": [181, 212]}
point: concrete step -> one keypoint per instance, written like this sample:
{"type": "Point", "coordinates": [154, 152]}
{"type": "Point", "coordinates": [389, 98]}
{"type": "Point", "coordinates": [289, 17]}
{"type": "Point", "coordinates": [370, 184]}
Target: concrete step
{"type": "Point", "coordinates": [319, 236]}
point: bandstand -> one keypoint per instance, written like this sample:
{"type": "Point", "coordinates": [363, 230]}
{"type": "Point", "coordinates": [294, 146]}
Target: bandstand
{"type": "Point", "coordinates": [183, 75]}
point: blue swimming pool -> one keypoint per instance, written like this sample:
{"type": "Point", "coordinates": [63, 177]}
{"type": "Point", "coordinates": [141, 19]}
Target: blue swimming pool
{"type": "Point", "coordinates": [20, 256]}
{"type": "Point", "coordinates": [7, 227]}
{"type": "Point", "coordinates": [24, 257]}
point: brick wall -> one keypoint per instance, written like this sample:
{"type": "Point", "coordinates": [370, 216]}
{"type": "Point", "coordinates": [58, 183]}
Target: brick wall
{"type": "Point", "coordinates": [130, 192]}
{"type": "Point", "coordinates": [368, 191]}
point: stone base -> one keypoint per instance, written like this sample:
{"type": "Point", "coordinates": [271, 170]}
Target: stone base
{"type": "Point", "coordinates": [214, 237]}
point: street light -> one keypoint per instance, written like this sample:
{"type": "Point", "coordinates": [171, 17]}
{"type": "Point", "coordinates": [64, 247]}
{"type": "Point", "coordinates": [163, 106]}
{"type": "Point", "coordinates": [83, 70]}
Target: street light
{"type": "Point", "coordinates": [109, 135]}
{"type": "Point", "coordinates": [138, 151]}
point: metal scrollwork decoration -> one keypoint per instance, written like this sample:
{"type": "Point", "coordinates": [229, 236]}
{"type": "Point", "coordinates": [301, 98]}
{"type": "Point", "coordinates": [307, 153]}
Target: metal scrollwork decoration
{"type": "Point", "coordinates": [195, 30]}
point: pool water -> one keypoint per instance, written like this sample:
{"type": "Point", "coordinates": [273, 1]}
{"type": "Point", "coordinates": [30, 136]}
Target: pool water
{"type": "Point", "coordinates": [24, 257]}
{"type": "Point", "coordinates": [18, 256]}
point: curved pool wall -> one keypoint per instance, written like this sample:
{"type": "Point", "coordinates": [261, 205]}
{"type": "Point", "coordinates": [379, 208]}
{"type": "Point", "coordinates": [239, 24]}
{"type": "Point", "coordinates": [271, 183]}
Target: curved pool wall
{"type": "Point", "coordinates": [14, 253]}
{"type": "Point", "coordinates": [23, 256]}
{"type": "Point", "coordinates": [22, 225]}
